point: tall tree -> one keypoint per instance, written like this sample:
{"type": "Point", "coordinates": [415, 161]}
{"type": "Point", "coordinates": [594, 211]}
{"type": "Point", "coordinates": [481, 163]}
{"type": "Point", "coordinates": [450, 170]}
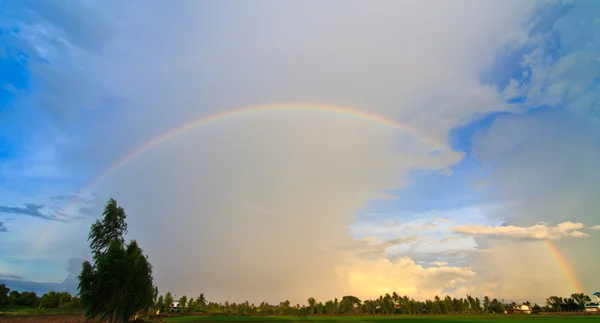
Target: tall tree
{"type": "Point", "coordinates": [118, 285]}
{"type": "Point", "coordinates": [555, 303]}
{"type": "Point", "coordinates": [201, 301]}
{"type": "Point", "coordinates": [581, 299]}
{"type": "Point", "coordinates": [4, 295]}
{"type": "Point", "coordinates": [112, 227]}
{"type": "Point", "coordinates": [183, 301]}
{"type": "Point", "coordinates": [160, 304]}
{"type": "Point", "coordinates": [312, 303]}
{"type": "Point", "coordinates": [349, 303]}
{"type": "Point", "coordinates": [168, 301]}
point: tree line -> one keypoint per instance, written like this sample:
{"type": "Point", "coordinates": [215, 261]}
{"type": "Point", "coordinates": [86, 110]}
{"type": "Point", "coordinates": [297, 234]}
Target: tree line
{"type": "Point", "coordinates": [387, 304]}
{"type": "Point", "coordinates": [117, 286]}
{"type": "Point", "coordinates": [52, 299]}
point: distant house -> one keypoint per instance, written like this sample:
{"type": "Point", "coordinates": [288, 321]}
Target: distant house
{"type": "Point", "coordinates": [593, 307]}
{"type": "Point", "coordinates": [519, 309]}
{"type": "Point", "coordinates": [175, 307]}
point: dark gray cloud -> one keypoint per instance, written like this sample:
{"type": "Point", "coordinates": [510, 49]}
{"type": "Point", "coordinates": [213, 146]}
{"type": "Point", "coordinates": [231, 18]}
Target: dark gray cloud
{"type": "Point", "coordinates": [29, 209]}
{"type": "Point", "coordinates": [10, 276]}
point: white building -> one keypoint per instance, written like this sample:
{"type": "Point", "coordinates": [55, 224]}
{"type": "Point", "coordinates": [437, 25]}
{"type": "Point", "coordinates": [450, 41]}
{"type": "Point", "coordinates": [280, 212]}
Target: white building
{"type": "Point", "coordinates": [518, 309]}
{"type": "Point", "coordinates": [525, 309]}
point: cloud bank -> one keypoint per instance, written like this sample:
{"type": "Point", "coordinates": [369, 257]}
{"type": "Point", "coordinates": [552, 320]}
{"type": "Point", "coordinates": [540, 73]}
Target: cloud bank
{"type": "Point", "coordinates": [534, 232]}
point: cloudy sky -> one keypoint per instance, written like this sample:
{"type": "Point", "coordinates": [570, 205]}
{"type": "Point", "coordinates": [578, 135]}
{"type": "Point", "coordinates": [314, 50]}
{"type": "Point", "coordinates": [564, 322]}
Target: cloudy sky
{"type": "Point", "coordinates": [501, 165]}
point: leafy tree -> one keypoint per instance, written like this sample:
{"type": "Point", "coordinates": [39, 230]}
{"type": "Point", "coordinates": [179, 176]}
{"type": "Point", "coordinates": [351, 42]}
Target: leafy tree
{"type": "Point", "coordinates": [571, 305]}
{"type": "Point", "coordinates": [4, 295]}
{"type": "Point", "coordinates": [112, 227]}
{"type": "Point", "coordinates": [29, 299]}
{"type": "Point", "coordinates": [118, 285]}
{"type": "Point", "coordinates": [54, 299]}
{"type": "Point", "coordinates": [348, 304]}
{"type": "Point", "coordinates": [312, 304]}
{"type": "Point", "coordinates": [581, 299]}
{"type": "Point", "coordinates": [13, 297]}
{"type": "Point", "coordinates": [191, 303]}
{"type": "Point", "coordinates": [183, 301]}
{"type": "Point", "coordinates": [160, 304]}
{"type": "Point", "coordinates": [168, 301]}
{"type": "Point", "coordinates": [555, 303]}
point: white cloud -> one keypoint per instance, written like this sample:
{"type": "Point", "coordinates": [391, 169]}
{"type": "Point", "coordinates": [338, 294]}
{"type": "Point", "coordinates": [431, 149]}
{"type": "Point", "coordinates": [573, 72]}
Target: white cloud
{"type": "Point", "coordinates": [370, 279]}
{"type": "Point", "coordinates": [568, 78]}
{"type": "Point", "coordinates": [596, 227]}
{"type": "Point", "coordinates": [534, 232]}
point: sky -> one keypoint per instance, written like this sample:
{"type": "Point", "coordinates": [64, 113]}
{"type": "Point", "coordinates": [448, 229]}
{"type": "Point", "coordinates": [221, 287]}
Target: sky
{"type": "Point", "coordinates": [500, 167]}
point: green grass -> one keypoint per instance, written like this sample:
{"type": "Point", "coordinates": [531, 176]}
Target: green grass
{"type": "Point", "coordinates": [389, 319]}
{"type": "Point", "coordinates": [27, 311]}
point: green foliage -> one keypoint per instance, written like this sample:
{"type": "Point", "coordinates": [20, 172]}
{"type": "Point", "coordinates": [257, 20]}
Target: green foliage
{"type": "Point", "coordinates": [350, 304]}
{"type": "Point", "coordinates": [112, 227]}
{"type": "Point", "coordinates": [201, 301]}
{"type": "Point", "coordinates": [384, 305]}
{"type": "Point", "coordinates": [160, 304]}
{"type": "Point", "coordinates": [581, 299]}
{"type": "Point", "coordinates": [168, 301]}
{"type": "Point", "coordinates": [575, 303]}
{"type": "Point", "coordinates": [312, 303]}
{"type": "Point", "coordinates": [118, 286]}
{"type": "Point", "coordinates": [28, 299]}
{"type": "Point", "coordinates": [54, 299]}
{"type": "Point", "coordinates": [13, 297]}
{"type": "Point", "coordinates": [4, 295]}
{"type": "Point", "coordinates": [183, 301]}
{"type": "Point", "coordinates": [28, 303]}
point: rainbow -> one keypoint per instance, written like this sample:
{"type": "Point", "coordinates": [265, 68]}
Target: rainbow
{"type": "Point", "coordinates": [565, 266]}
{"type": "Point", "coordinates": [156, 141]}
{"type": "Point", "coordinates": [336, 110]}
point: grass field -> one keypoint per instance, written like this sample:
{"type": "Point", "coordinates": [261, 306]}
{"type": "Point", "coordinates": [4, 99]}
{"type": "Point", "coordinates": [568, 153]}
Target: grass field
{"type": "Point", "coordinates": [389, 319]}
{"type": "Point", "coordinates": [23, 311]}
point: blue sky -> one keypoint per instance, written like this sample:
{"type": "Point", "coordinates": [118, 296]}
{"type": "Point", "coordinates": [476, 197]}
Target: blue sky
{"type": "Point", "coordinates": [513, 90]}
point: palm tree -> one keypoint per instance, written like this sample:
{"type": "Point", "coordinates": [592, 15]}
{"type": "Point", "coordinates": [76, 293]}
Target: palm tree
{"type": "Point", "coordinates": [201, 300]}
